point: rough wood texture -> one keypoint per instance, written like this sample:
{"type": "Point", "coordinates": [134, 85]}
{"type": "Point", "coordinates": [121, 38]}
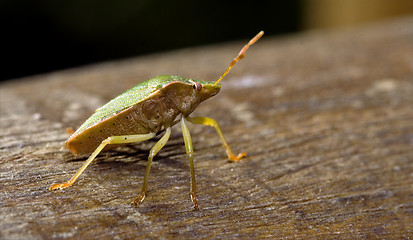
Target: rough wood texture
{"type": "Point", "coordinates": [325, 117]}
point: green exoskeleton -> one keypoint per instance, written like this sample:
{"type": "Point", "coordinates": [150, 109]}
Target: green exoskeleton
{"type": "Point", "coordinates": [145, 110]}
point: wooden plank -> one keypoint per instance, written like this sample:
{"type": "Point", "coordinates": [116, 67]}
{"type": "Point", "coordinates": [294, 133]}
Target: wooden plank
{"type": "Point", "coordinates": [325, 117]}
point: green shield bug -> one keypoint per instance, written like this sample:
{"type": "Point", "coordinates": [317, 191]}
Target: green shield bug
{"type": "Point", "coordinates": [145, 110]}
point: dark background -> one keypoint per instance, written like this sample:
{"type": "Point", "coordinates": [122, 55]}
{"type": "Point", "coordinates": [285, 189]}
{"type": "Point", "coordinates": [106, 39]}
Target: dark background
{"type": "Point", "coordinates": [47, 35]}
{"type": "Point", "coordinates": [42, 36]}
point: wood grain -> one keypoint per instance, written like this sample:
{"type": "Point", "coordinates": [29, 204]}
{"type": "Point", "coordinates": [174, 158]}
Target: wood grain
{"type": "Point", "coordinates": [325, 117]}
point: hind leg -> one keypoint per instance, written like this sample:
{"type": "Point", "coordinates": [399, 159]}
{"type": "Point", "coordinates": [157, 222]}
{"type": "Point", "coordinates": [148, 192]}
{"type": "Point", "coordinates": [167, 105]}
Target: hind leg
{"type": "Point", "coordinates": [109, 140]}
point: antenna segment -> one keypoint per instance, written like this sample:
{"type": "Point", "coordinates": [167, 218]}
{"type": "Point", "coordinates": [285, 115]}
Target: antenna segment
{"type": "Point", "coordinates": [240, 56]}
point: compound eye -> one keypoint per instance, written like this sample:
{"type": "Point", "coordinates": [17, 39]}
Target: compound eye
{"type": "Point", "coordinates": [197, 86]}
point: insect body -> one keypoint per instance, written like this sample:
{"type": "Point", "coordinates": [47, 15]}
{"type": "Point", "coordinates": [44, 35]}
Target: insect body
{"type": "Point", "coordinates": [143, 111]}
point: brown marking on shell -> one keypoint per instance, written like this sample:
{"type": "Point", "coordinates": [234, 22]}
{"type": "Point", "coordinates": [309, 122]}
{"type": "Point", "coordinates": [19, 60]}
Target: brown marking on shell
{"type": "Point", "coordinates": [145, 117]}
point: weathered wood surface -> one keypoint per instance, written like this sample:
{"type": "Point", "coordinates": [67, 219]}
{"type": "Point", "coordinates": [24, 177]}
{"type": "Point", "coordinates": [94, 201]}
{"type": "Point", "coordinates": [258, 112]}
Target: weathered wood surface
{"type": "Point", "coordinates": [325, 117]}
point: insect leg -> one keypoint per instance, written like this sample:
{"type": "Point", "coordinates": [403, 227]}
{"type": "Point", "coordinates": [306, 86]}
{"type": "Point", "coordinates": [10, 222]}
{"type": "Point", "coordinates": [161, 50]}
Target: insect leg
{"type": "Point", "coordinates": [154, 150]}
{"type": "Point", "coordinates": [109, 140]}
{"type": "Point", "coordinates": [190, 153]}
{"type": "Point", "coordinates": [211, 122]}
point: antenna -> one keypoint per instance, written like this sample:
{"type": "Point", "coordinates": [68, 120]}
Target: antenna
{"type": "Point", "coordinates": [240, 56]}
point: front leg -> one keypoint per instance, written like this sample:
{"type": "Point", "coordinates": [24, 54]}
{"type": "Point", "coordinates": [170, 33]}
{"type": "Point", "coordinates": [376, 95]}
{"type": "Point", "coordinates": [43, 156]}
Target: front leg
{"type": "Point", "coordinates": [190, 153]}
{"type": "Point", "coordinates": [211, 122]}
